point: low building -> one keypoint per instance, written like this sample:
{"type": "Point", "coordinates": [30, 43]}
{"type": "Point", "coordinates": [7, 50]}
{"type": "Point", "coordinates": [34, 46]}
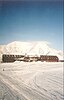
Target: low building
{"type": "Point", "coordinates": [26, 59]}
{"type": "Point", "coordinates": [11, 58]}
{"type": "Point", "coordinates": [49, 58]}
{"type": "Point", "coordinates": [33, 58]}
{"type": "Point", "coordinates": [61, 60]}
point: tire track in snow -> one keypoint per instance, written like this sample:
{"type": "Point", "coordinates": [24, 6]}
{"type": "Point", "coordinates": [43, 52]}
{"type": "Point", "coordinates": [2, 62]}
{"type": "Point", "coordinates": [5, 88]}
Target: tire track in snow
{"type": "Point", "coordinates": [27, 92]}
{"type": "Point", "coordinates": [54, 95]}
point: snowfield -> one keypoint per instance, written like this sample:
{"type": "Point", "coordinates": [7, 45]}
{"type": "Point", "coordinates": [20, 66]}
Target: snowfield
{"type": "Point", "coordinates": [31, 81]}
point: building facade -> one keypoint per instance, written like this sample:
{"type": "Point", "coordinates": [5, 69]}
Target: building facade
{"type": "Point", "coordinates": [12, 58]}
{"type": "Point", "coordinates": [49, 58]}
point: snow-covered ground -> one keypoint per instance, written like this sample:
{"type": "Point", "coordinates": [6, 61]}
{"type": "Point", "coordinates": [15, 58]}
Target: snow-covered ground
{"type": "Point", "coordinates": [31, 81]}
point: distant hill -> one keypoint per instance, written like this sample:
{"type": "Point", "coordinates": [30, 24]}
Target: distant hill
{"type": "Point", "coordinates": [30, 48]}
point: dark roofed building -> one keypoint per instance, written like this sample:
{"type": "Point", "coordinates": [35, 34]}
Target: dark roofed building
{"type": "Point", "coordinates": [11, 58]}
{"type": "Point", "coordinates": [49, 58]}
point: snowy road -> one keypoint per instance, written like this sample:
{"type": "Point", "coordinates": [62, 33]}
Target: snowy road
{"type": "Point", "coordinates": [31, 81]}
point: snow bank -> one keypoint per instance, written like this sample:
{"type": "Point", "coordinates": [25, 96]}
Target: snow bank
{"type": "Point", "coordinates": [32, 81]}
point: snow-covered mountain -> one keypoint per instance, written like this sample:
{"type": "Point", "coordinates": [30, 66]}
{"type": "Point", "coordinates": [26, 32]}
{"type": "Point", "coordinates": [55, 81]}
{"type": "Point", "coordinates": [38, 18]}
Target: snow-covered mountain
{"type": "Point", "coordinates": [30, 48]}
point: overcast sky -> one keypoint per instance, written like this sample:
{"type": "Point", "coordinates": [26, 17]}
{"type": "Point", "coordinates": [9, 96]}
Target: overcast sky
{"type": "Point", "coordinates": [32, 21]}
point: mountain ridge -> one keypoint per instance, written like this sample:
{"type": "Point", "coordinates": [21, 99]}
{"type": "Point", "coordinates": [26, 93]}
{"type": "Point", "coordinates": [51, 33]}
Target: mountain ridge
{"type": "Point", "coordinates": [30, 48]}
